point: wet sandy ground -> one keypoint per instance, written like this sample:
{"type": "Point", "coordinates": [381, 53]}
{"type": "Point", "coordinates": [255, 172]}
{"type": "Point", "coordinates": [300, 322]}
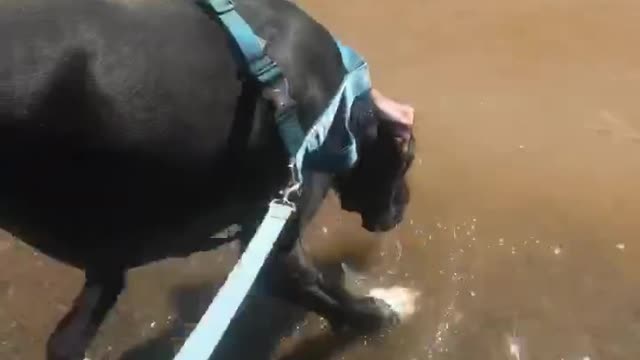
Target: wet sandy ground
{"type": "Point", "coordinates": [522, 235]}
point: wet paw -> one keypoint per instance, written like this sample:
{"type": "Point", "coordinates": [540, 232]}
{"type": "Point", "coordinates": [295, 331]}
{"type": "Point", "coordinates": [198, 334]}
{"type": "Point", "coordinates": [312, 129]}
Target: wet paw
{"type": "Point", "coordinates": [384, 307]}
{"type": "Point", "coordinates": [364, 315]}
{"type": "Point", "coordinates": [401, 300]}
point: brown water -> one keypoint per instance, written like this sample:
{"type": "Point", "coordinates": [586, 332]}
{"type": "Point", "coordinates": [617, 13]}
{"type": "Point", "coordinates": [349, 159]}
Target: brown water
{"type": "Point", "coordinates": [522, 234]}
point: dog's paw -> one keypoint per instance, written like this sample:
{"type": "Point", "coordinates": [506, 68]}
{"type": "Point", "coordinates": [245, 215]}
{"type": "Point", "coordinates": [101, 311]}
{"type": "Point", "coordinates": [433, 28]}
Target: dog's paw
{"type": "Point", "coordinates": [400, 299]}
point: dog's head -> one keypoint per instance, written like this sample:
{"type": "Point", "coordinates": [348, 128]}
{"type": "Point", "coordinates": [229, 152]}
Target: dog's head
{"type": "Point", "coordinates": [376, 186]}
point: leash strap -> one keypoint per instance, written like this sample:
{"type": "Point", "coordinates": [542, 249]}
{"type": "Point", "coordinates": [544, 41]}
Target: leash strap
{"type": "Point", "coordinates": [207, 334]}
{"type": "Point", "coordinates": [204, 338]}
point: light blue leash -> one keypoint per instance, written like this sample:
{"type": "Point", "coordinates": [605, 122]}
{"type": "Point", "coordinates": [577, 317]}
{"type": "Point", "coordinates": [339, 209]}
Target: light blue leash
{"type": "Point", "coordinates": [207, 334]}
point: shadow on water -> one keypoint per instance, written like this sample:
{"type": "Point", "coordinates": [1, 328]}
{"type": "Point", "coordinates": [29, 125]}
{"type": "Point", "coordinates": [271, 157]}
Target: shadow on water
{"type": "Point", "coordinates": [320, 347]}
{"type": "Point", "coordinates": [255, 333]}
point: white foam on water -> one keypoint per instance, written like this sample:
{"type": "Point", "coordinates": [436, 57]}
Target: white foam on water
{"type": "Point", "coordinates": [402, 300]}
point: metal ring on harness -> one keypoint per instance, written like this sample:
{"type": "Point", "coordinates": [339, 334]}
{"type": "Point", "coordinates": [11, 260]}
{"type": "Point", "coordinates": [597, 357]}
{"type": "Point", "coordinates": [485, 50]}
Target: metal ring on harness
{"type": "Point", "coordinates": [293, 189]}
{"type": "Point", "coordinates": [285, 107]}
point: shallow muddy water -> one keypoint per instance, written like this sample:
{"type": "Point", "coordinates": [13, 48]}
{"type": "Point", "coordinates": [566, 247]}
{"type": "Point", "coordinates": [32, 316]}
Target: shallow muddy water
{"type": "Point", "coordinates": [522, 234]}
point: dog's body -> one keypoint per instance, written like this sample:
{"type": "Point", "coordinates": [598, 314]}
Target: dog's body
{"type": "Point", "coordinates": [126, 136]}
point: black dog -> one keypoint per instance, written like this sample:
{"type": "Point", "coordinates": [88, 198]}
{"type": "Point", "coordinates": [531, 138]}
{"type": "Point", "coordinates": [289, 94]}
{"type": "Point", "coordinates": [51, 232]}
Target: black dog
{"type": "Point", "coordinates": [127, 136]}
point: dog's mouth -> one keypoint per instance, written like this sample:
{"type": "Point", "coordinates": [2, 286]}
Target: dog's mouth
{"type": "Point", "coordinates": [349, 205]}
{"type": "Point", "coordinates": [372, 221]}
{"type": "Point", "coordinates": [379, 224]}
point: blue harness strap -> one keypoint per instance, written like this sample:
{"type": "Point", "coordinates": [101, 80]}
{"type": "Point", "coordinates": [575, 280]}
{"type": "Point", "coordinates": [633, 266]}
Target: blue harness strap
{"type": "Point", "coordinates": [261, 67]}
{"type": "Point", "coordinates": [304, 149]}
{"type": "Point", "coordinates": [250, 45]}
{"type": "Point", "coordinates": [357, 82]}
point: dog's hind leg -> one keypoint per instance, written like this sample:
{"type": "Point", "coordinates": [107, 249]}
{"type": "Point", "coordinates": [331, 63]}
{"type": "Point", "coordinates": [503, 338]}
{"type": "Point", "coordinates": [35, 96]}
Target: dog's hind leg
{"type": "Point", "coordinates": [75, 331]}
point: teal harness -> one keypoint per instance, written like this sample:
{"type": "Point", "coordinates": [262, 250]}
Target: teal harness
{"type": "Point", "coordinates": [303, 149]}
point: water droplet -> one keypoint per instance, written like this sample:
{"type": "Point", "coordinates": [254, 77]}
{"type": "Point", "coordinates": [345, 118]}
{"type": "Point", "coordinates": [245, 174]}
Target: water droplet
{"type": "Point", "coordinates": [557, 250]}
{"type": "Point", "coordinates": [325, 230]}
{"type": "Point", "coordinates": [152, 325]}
{"type": "Point", "coordinates": [472, 293]}
{"type": "Point", "coordinates": [620, 246]}
{"type": "Point", "coordinates": [501, 241]}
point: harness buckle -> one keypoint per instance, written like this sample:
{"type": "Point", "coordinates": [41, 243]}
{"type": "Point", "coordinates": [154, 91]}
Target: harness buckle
{"type": "Point", "coordinates": [278, 94]}
{"type": "Point", "coordinates": [222, 6]}
{"type": "Point", "coordinates": [265, 69]}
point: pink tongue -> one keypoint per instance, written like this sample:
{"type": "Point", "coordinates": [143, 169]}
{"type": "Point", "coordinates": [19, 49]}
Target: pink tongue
{"type": "Point", "coordinates": [396, 111]}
